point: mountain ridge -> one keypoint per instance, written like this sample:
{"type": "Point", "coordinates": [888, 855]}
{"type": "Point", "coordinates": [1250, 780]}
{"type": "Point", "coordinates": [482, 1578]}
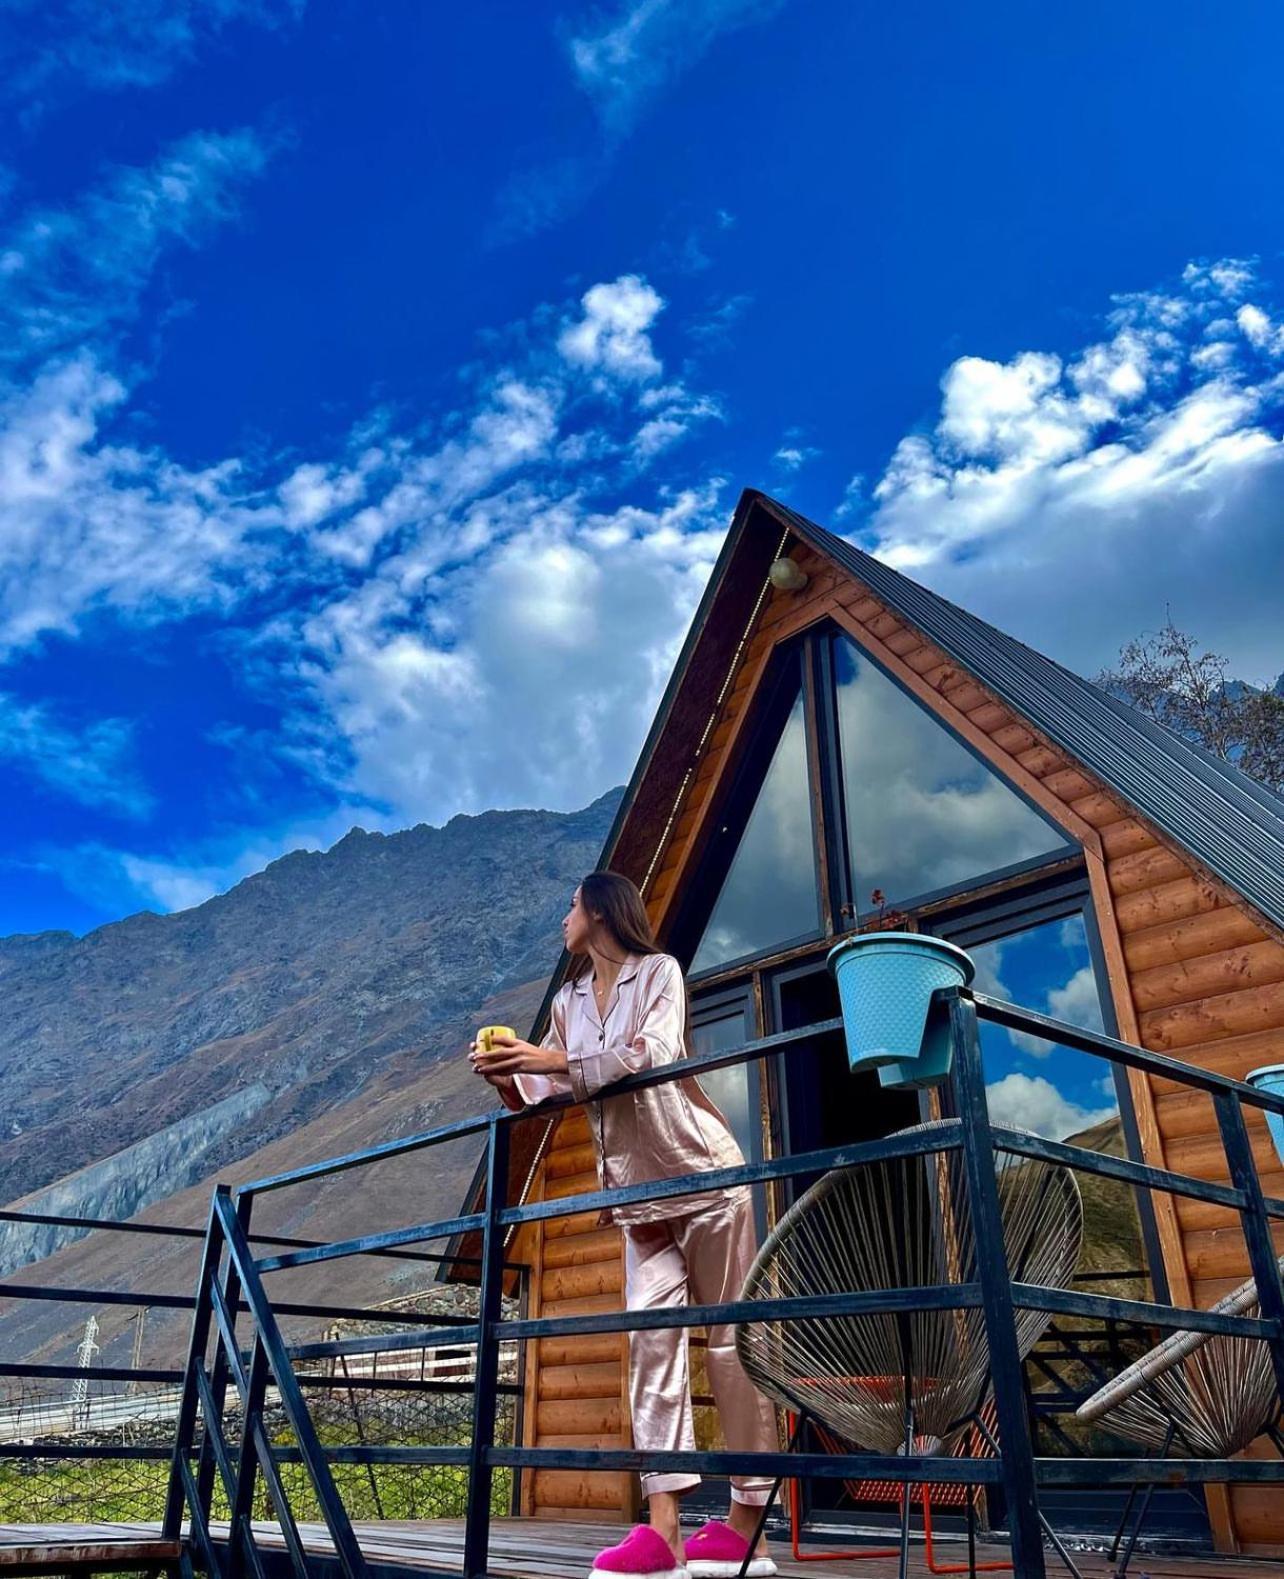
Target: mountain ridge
{"type": "Point", "coordinates": [155, 1053]}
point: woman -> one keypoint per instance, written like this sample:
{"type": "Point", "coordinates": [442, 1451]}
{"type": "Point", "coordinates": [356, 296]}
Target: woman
{"type": "Point", "coordinates": [623, 1009]}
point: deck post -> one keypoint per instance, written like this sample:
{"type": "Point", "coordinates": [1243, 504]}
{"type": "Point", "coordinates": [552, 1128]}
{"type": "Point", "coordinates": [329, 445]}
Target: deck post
{"type": "Point", "coordinates": [220, 1369]}
{"type": "Point", "coordinates": [176, 1495]}
{"type": "Point", "coordinates": [480, 1469]}
{"type": "Point", "coordinates": [1019, 1482]}
{"type": "Point", "coordinates": [1256, 1224]}
{"type": "Point", "coordinates": [241, 1513]}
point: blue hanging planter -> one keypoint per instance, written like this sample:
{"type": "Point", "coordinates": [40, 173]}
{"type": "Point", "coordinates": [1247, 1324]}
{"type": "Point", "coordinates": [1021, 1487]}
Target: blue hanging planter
{"type": "Point", "coordinates": [1270, 1077]}
{"type": "Point", "coordinates": [885, 986]}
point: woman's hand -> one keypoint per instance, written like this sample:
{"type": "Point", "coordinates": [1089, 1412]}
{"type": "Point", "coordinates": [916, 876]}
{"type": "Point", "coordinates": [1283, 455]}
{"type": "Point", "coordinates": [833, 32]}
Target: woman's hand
{"type": "Point", "coordinates": [510, 1056]}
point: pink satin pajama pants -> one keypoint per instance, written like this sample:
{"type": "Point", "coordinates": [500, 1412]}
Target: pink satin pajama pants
{"type": "Point", "coordinates": [701, 1258]}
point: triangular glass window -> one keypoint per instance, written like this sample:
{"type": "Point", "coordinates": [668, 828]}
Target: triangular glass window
{"type": "Point", "coordinates": [769, 896]}
{"type": "Point", "coordinates": [924, 815]}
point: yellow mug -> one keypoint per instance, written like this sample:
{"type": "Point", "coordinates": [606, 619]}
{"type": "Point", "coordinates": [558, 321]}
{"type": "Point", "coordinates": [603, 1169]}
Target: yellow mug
{"type": "Point", "coordinates": [485, 1037]}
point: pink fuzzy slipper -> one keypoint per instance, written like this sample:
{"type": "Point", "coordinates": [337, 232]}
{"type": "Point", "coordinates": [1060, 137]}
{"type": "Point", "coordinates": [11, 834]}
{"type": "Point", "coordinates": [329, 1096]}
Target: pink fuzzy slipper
{"type": "Point", "coordinates": [715, 1551]}
{"type": "Point", "coordinates": [642, 1554]}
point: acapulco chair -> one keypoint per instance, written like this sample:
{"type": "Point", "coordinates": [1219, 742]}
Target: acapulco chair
{"type": "Point", "coordinates": [1203, 1394]}
{"type": "Point", "coordinates": [886, 1381]}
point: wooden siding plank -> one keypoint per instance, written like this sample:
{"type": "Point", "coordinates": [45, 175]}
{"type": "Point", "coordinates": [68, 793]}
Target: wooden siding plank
{"type": "Point", "coordinates": [584, 1249]}
{"type": "Point", "coordinates": [579, 1282]}
{"type": "Point", "coordinates": [567, 1227]}
{"type": "Point", "coordinates": [1100, 808]}
{"type": "Point", "coordinates": [1185, 896]}
{"type": "Point", "coordinates": [923, 659]}
{"type": "Point", "coordinates": [570, 1161]}
{"type": "Point", "coordinates": [1209, 933]}
{"type": "Point", "coordinates": [1209, 975]}
{"type": "Point", "coordinates": [1127, 836]}
{"type": "Point", "coordinates": [1148, 869]}
{"type": "Point", "coordinates": [1041, 760]}
{"type": "Point", "coordinates": [990, 716]}
{"type": "Point", "coordinates": [884, 625]}
{"type": "Point", "coordinates": [594, 1348]}
{"type": "Point", "coordinates": [903, 641]}
{"type": "Point", "coordinates": [1070, 784]}
{"type": "Point", "coordinates": [1233, 1055]}
{"type": "Point", "coordinates": [1229, 1014]}
{"type": "Point", "coordinates": [570, 1184]}
{"type": "Point", "coordinates": [572, 1130]}
{"type": "Point", "coordinates": [579, 1381]}
{"type": "Point", "coordinates": [968, 695]}
{"type": "Point", "coordinates": [864, 607]}
{"type": "Point", "coordinates": [569, 1488]}
{"type": "Point", "coordinates": [1014, 738]}
{"type": "Point", "coordinates": [1219, 1252]}
{"type": "Point", "coordinates": [1184, 1112]}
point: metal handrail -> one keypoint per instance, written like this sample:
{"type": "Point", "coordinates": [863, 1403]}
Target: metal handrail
{"type": "Point", "coordinates": [1017, 1470]}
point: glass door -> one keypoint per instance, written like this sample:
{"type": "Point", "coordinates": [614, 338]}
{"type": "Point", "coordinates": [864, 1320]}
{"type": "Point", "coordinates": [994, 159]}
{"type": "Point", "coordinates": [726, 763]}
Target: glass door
{"type": "Point", "coordinates": [815, 1102]}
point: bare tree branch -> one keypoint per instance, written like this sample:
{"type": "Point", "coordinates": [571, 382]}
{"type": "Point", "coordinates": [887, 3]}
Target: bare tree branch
{"type": "Point", "coordinates": [1163, 675]}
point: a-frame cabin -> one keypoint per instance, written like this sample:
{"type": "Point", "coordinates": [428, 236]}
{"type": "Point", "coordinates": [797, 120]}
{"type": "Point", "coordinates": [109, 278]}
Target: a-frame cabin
{"type": "Point", "coordinates": [860, 733]}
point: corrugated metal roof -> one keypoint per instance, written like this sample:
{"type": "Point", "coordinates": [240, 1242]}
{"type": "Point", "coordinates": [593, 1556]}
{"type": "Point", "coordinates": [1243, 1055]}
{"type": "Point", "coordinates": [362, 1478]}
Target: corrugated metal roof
{"type": "Point", "coordinates": [1230, 824]}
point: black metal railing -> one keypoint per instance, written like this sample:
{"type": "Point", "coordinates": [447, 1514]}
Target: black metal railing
{"type": "Point", "coordinates": [93, 1442]}
{"type": "Point", "coordinates": [231, 1278]}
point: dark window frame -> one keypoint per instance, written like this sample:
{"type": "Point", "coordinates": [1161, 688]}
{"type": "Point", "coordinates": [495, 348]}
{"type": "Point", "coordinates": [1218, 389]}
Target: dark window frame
{"type": "Point", "coordinates": [829, 630]}
{"type": "Point", "coordinates": [810, 654]}
{"type": "Point", "coordinates": [771, 707]}
{"type": "Point", "coordinates": [1056, 899]}
{"type": "Point", "coordinates": [714, 1006]}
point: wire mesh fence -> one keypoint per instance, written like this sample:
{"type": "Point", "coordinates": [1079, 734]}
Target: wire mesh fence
{"type": "Point", "coordinates": [108, 1441]}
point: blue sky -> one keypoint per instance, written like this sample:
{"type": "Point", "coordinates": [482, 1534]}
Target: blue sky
{"type": "Point", "coordinates": [376, 381]}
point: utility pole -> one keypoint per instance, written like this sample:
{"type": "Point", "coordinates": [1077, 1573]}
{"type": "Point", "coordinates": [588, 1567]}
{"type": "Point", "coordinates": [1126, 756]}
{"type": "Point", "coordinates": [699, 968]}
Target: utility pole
{"type": "Point", "coordinates": [80, 1387]}
{"type": "Point", "coordinates": [136, 1361]}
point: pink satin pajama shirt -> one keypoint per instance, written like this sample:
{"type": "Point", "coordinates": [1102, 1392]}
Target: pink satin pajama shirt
{"type": "Point", "coordinates": [691, 1246]}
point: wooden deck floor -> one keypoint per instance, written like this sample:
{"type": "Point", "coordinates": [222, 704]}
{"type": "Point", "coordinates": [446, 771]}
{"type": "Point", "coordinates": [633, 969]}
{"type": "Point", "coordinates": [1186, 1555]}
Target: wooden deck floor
{"type": "Point", "coordinates": [67, 1548]}
{"type": "Point", "coordinates": [520, 1549]}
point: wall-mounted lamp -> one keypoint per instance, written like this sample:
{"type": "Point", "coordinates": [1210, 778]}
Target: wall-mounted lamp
{"type": "Point", "coordinates": [787, 576]}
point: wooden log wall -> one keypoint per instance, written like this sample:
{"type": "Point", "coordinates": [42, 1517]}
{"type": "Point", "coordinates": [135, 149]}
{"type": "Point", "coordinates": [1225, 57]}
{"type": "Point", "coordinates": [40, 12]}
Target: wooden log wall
{"type": "Point", "coordinates": [1193, 972]}
{"type": "Point", "coordinates": [576, 1388]}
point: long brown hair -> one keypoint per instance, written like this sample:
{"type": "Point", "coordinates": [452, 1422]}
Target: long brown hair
{"type": "Point", "coordinates": [617, 903]}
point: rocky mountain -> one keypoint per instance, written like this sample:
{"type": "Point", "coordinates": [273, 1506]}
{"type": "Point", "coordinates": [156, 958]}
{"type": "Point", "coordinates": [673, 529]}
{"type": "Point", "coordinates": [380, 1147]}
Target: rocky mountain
{"type": "Point", "coordinates": [319, 1006]}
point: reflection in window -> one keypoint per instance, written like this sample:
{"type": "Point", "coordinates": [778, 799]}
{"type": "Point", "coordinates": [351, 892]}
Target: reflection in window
{"type": "Point", "coordinates": [770, 894]}
{"type": "Point", "coordinates": [733, 1090]}
{"type": "Point", "coordinates": [923, 813]}
{"type": "Point", "coordinates": [1033, 1084]}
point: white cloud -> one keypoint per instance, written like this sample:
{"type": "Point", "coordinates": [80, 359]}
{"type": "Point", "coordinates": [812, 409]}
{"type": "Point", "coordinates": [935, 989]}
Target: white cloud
{"type": "Point", "coordinates": [1259, 331]}
{"type": "Point", "coordinates": [612, 334]}
{"type": "Point", "coordinates": [854, 501]}
{"type": "Point", "coordinates": [92, 766]}
{"type": "Point", "coordinates": [1225, 277]}
{"type": "Point", "coordinates": [1070, 499]}
{"type": "Point", "coordinates": [77, 273]}
{"type": "Point", "coordinates": [1078, 1002]}
{"type": "Point", "coordinates": [88, 522]}
{"type": "Point", "coordinates": [675, 411]}
{"type": "Point", "coordinates": [89, 525]}
{"type": "Point", "coordinates": [622, 59]}
{"type": "Point", "coordinates": [713, 326]}
{"type": "Point", "coordinates": [163, 881]}
{"type": "Point", "coordinates": [1033, 1103]}
{"type": "Point", "coordinates": [794, 456]}
{"type": "Point", "coordinates": [562, 632]}
{"type": "Point", "coordinates": [128, 44]}
{"type": "Point", "coordinates": [643, 45]}
{"type": "Point", "coordinates": [458, 616]}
